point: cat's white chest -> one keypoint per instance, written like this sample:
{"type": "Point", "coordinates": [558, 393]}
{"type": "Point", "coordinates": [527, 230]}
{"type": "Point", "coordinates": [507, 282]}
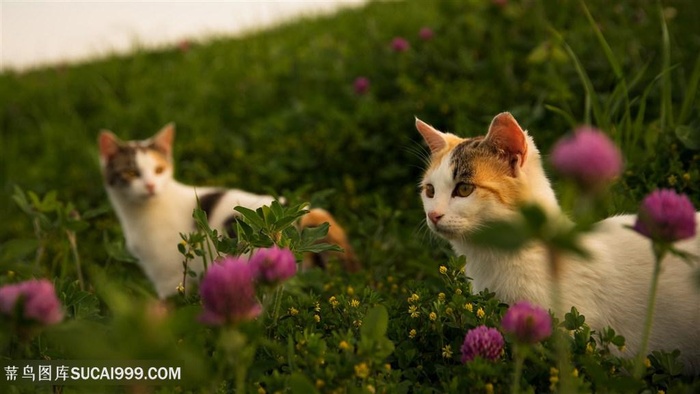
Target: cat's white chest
{"type": "Point", "coordinates": [153, 230]}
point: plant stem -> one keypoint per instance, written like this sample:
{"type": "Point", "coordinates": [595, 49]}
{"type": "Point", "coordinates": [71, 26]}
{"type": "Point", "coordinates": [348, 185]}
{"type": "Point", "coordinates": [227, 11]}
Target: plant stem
{"type": "Point", "coordinates": [565, 385]}
{"type": "Point", "coordinates": [74, 248]}
{"type": "Point", "coordinates": [659, 253]}
{"type": "Point", "coordinates": [518, 371]}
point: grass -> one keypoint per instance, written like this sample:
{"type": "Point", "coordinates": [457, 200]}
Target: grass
{"type": "Point", "coordinates": [275, 112]}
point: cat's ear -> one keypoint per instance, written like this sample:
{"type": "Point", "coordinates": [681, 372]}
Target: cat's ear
{"type": "Point", "coordinates": [506, 135]}
{"type": "Point", "coordinates": [435, 139]}
{"type": "Point", "coordinates": [163, 140]}
{"type": "Point", "coordinates": [109, 144]}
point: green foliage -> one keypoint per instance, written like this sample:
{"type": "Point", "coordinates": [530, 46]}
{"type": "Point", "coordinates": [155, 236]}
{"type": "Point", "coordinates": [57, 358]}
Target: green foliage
{"type": "Point", "coordinates": [275, 112]}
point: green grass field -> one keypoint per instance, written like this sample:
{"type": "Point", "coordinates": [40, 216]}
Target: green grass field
{"type": "Point", "coordinates": [276, 112]}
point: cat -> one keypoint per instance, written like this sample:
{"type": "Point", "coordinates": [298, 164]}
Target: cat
{"type": "Point", "coordinates": [154, 209]}
{"type": "Point", "coordinates": [472, 181]}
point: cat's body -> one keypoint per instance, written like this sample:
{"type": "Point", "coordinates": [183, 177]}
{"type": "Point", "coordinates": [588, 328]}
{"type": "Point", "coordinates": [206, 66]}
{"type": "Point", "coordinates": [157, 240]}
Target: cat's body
{"type": "Point", "coordinates": [154, 208]}
{"type": "Point", "coordinates": [470, 182]}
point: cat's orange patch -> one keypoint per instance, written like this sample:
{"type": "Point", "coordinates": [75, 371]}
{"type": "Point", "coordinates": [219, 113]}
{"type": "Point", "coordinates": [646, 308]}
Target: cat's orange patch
{"type": "Point", "coordinates": [159, 158]}
{"type": "Point", "coordinates": [493, 175]}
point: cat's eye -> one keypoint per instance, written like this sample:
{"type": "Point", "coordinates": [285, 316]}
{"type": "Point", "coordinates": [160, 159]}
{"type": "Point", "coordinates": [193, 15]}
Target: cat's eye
{"type": "Point", "coordinates": [463, 190]}
{"type": "Point", "coordinates": [160, 169]}
{"type": "Point", "coordinates": [130, 174]}
{"type": "Point", "coordinates": [429, 191]}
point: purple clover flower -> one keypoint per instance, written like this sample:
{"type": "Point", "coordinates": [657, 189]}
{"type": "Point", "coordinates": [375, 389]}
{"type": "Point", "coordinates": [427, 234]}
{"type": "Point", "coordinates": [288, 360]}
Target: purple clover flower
{"type": "Point", "coordinates": [666, 216]}
{"type": "Point", "coordinates": [426, 34]}
{"type": "Point", "coordinates": [273, 265]}
{"type": "Point", "coordinates": [527, 323]}
{"type": "Point", "coordinates": [400, 44]}
{"type": "Point", "coordinates": [588, 157]}
{"type": "Point", "coordinates": [228, 293]}
{"type": "Point", "coordinates": [361, 85]}
{"type": "Point", "coordinates": [482, 341]}
{"type": "Point", "coordinates": [37, 298]}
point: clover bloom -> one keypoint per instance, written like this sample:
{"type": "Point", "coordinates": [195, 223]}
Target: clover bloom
{"type": "Point", "coordinates": [400, 44]}
{"type": "Point", "coordinates": [666, 216]}
{"type": "Point", "coordinates": [426, 34]}
{"type": "Point", "coordinates": [588, 157]}
{"type": "Point", "coordinates": [527, 323]}
{"type": "Point", "coordinates": [273, 265]}
{"type": "Point", "coordinates": [228, 293]}
{"type": "Point", "coordinates": [36, 299]}
{"type": "Point", "coordinates": [482, 341]}
{"type": "Point", "coordinates": [361, 85]}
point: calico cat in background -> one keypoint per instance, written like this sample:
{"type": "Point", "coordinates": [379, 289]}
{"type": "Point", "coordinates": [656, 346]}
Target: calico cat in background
{"type": "Point", "coordinates": [154, 208]}
{"type": "Point", "coordinates": [472, 181]}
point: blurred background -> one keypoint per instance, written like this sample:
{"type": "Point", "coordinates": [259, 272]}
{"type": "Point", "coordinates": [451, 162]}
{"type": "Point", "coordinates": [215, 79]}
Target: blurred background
{"type": "Point", "coordinates": [40, 33]}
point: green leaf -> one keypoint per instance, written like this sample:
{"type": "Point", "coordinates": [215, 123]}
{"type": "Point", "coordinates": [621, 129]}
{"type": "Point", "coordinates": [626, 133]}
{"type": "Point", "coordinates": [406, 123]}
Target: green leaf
{"type": "Point", "coordinates": [573, 320]}
{"type": "Point", "coordinates": [16, 249]}
{"type": "Point", "coordinates": [506, 236]}
{"type": "Point", "coordinates": [300, 384]}
{"type": "Point", "coordinates": [251, 216]}
{"type": "Point", "coordinates": [375, 323]}
{"type": "Point", "coordinates": [689, 136]}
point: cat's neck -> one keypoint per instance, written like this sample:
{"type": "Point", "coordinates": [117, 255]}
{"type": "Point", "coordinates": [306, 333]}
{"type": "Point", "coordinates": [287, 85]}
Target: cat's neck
{"type": "Point", "coordinates": [173, 196]}
{"type": "Point", "coordinates": [540, 189]}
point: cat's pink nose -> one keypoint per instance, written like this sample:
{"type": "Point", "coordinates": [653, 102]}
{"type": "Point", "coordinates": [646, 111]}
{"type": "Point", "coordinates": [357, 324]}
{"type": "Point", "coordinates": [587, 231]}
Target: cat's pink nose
{"type": "Point", "coordinates": [150, 187]}
{"type": "Point", "coordinates": [435, 216]}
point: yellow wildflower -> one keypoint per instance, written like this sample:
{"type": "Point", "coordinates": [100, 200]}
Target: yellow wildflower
{"type": "Point", "coordinates": [317, 306]}
{"type": "Point", "coordinates": [647, 362]}
{"type": "Point", "coordinates": [293, 311]}
{"type": "Point", "coordinates": [333, 301]}
{"type": "Point", "coordinates": [448, 311]}
{"type": "Point", "coordinates": [180, 288]}
{"type": "Point", "coordinates": [468, 306]}
{"type": "Point", "coordinates": [574, 373]}
{"type": "Point", "coordinates": [371, 389]}
{"type": "Point", "coordinates": [589, 348]}
{"type": "Point", "coordinates": [443, 269]}
{"type": "Point", "coordinates": [447, 351]}
{"type": "Point", "coordinates": [362, 370]}
{"type": "Point", "coordinates": [413, 298]}
{"type": "Point", "coordinates": [350, 290]}
{"type": "Point", "coordinates": [553, 378]}
{"type": "Point", "coordinates": [480, 313]}
{"type": "Point", "coordinates": [320, 384]}
{"type": "Point", "coordinates": [488, 387]}
{"type": "Point", "coordinates": [357, 323]}
{"type": "Point", "coordinates": [355, 303]}
{"type": "Point", "coordinates": [412, 334]}
{"type": "Point", "coordinates": [343, 345]}
{"type": "Point", "coordinates": [390, 279]}
{"type": "Point", "coordinates": [317, 318]}
{"type": "Point", "coordinates": [686, 177]}
{"type": "Point", "coordinates": [413, 310]}
{"type": "Point", "coordinates": [441, 297]}
{"type": "Point", "coordinates": [432, 316]}
{"type": "Point", "coordinates": [458, 291]}
{"type": "Point", "coordinates": [387, 367]}
{"type": "Point", "coordinates": [261, 390]}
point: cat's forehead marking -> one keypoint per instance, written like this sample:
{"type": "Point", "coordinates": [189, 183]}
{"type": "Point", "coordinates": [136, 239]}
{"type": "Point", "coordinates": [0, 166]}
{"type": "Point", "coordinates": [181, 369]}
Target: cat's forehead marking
{"type": "Point", "coordinates": [123, 160]}
{"type": "Point", "coordinates": [462, 158]}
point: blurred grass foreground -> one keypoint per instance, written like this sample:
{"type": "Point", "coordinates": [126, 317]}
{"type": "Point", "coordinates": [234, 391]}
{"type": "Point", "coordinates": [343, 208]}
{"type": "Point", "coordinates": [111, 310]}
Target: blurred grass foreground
{"type": "Point", "coordinates": [322, 110]}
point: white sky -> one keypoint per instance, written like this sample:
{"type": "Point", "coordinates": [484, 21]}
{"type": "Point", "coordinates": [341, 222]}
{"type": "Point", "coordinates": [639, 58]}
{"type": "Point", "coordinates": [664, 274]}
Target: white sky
{"type": "Point", "coordinates": [50, 31]}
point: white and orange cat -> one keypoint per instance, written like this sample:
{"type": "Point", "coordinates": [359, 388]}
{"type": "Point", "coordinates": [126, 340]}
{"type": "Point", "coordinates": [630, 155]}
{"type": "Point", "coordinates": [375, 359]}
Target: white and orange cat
{"type": "Point", "coordinates": [154, 209]}
{"type": "Point", "coordinates": [472, 181]}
